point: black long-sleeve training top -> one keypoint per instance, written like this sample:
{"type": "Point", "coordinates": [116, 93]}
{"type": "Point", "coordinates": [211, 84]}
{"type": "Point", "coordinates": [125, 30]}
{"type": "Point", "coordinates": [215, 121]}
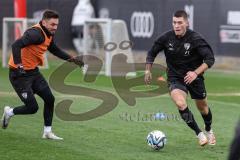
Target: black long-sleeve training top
{"type": "Point", "coordinates": [182, 54]}
{"type": "Point", "coordinates": [35, 36]}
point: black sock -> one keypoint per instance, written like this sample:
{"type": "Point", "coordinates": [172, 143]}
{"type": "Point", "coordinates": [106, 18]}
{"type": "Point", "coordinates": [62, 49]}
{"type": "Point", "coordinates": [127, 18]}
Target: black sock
{"type": "Point", "coordinates": [187, 116]}
{"type": "Point", "coordinates": [207, 120]}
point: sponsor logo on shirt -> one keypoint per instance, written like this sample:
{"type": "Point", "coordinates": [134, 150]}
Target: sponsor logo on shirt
{"type": "Point", "coordinates": [170, 48]}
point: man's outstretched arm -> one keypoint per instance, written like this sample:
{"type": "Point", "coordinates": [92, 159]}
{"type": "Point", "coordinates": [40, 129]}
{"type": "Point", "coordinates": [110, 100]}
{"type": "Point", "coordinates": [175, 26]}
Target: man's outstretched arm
{"type": "Point", "coordinates": [151, 55]}
{"type": "Point", "coordinates": [55, 50]}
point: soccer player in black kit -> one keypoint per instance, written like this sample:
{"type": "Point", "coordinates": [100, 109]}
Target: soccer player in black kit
{"type": "Point", "coordinates": [188, 56]}
{"type": "Point", "coordinates": [28, 54]}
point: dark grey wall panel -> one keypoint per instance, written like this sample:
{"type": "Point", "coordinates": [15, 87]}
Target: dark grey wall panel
{"type": "Point", "coordinates": [209, 15]}
{"type": "Point", "coordinates": [6, 10]}
{"type": "Point", "coordinates": [65, 9]}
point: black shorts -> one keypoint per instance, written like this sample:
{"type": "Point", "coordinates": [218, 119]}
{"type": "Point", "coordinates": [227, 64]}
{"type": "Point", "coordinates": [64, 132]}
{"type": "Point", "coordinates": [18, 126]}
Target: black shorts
{"type": "Point", "coordinates": [26, 86]}
{"type": "Point", "coordinates": [196, 88]}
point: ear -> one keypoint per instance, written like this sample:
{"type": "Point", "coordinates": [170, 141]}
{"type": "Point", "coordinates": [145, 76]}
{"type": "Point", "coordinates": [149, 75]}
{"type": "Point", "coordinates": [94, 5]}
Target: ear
{"type": "Point", "coordinates": [44, 22]}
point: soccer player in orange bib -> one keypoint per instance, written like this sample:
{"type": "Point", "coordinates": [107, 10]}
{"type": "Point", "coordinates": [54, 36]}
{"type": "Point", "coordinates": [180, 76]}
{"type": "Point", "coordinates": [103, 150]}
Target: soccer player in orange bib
{"type": "Point", "coordinates": [27, 54]}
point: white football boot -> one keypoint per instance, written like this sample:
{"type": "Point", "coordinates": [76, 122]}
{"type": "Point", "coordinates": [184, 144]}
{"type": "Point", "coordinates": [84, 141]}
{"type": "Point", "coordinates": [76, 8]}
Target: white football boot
{"type": "Point", "coordinates": [202, 139]}
{"type": "Point", "coordinates": [211, 137]}
{"type": "Point", "coordinates": [6, 117]}
{"type": "Point", "coordinates": [51, 135]}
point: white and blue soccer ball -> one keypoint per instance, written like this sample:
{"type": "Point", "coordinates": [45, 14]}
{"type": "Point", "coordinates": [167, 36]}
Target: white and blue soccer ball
{"type": "Point", "coordinates": [160, 116]}
{"type": "Point", "coordinates": [156, 140]}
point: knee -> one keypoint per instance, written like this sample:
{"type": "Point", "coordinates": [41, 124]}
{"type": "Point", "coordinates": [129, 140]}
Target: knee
{"type": "Point", "coordinates": [181, 104]}
{"type": "Point", "coordinates": [179, 98]}
{"type": "Point", "coordinates": [202, 106]}
{"type": "Point", "coordinates": [33, 108]}
{"type": "Point", "coordinates": [203, 109]}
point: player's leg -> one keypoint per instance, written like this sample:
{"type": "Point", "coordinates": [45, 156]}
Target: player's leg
{"type": "Point", "coordinates": [22, 86]}
{"type": "Point", "coordinates": [205, 112]}
{"type": "Point", "coordinates": [179, 98]}
{"type": "Point", "coordinates": [207, 117]}
{"type": "Point", "coordinates": [42, 89]}
{"type": "Point", "coordinates": [198, 92]}
{"type": "Point", "coordinates": [48, 110]}
{"type": "Point", "coordinates": [178, 94]}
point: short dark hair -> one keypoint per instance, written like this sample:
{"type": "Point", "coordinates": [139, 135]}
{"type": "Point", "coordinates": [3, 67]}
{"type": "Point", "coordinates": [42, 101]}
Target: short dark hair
{"type": "Point", "coordinates": [48, 14]}
{"type": "Point", "coordinates": [181, 13]}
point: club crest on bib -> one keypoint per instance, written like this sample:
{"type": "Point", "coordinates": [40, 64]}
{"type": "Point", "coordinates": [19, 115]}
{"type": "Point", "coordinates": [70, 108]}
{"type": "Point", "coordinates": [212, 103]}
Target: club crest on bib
{"type": "Point", "coordinates": [24, 95]}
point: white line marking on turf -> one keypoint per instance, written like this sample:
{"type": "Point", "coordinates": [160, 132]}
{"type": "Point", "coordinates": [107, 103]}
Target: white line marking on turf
{"type": "Point", "coordinates": [225, 103]}
{"type": "Point", "coordinates": [214, 101]}
{"type": "Point", "coordinates": [64, 95]}
{"type": "Point", "coordinates": [224, 94]}
{"type": "Point", "coordinates": [59, 95]}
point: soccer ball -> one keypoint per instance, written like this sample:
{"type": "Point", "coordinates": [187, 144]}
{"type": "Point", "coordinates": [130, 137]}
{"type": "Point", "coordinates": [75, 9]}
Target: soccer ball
{"type": "Point", "coordinates": [159, 116]}
{"type": "Point", "coordinates": [156, 140]}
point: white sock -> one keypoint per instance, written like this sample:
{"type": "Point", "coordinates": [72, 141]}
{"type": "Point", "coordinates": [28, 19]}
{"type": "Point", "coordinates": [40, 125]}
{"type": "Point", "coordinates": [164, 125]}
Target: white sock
{"type": "Point", "coordinates": [47, 129]}
{"type": "Point", "coordinates": [10, 112]}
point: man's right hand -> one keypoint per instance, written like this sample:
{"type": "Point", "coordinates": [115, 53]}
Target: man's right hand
{"type": "Point", "coordinates": [77, 60]}
{"type": "Point", "coordinates": [148, 77]}
{"type": "Point", "coordinates": [20, 70]}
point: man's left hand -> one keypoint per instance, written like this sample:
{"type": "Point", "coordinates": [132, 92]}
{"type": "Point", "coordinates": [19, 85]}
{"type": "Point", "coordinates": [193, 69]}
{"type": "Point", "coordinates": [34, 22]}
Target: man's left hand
{"type": "Point", "coordinates": [190, 77]}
